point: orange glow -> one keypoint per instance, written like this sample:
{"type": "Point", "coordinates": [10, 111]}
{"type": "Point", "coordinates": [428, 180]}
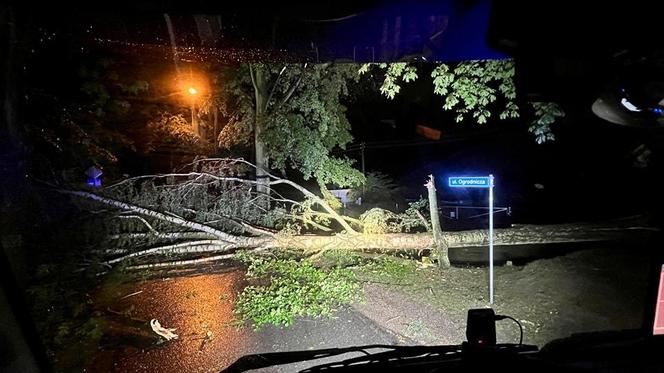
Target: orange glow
{"type": "Point", "coordinates": [188, 86]}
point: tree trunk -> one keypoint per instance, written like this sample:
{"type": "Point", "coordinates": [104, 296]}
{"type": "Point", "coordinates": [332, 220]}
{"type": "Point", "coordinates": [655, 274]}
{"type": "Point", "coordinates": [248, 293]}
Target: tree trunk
{"type": "Point", "coordinates": [215, 126]}
{"type": "Point", "coordinates": [259, 80]}
{"type": "Point", "coordinates": [215, 241]}
{"type": "Point", "coordinates": [196, 128]}
{"type": "Point", "coordinates": [439, 242]}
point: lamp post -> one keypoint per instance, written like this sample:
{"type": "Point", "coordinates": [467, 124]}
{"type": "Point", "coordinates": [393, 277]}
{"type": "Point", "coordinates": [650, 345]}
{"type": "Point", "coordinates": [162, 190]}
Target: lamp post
{"type": "Point", "coordinates": [194, 121]}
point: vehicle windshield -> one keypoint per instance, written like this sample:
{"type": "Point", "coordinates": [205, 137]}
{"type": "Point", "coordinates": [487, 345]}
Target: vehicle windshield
{"type": "Point", "coordinates": [185, 186]}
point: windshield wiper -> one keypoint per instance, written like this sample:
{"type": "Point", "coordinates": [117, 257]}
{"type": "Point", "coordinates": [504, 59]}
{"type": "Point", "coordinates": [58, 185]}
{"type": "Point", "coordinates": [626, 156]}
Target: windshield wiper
{"type": "Point", "coordinates": [392, 357]}
{"type": "Point", "coordinates": [414, 355]}
{"type": "Point", "coordinates": [257, 361]}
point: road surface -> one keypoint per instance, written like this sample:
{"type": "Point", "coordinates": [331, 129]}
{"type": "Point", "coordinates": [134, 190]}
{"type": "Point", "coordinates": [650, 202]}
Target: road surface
{"type": "Point", "coordinates": [200, 308]}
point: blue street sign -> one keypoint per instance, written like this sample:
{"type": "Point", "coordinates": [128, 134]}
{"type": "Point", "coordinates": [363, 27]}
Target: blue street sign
{"type": "Point", "coordinates": [480, 182]}
{"type": "Point", "coordinates": [469, 182]}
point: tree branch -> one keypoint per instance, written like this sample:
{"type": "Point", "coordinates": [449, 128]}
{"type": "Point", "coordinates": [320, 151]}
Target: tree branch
{"type": "Point", "coordinates": [274, 87]}
{"type": "Point", "coordinates": [274, 181]}
{"type": "Point", "coordinates": [423, 220]}
{"type": "Point", "coordinates": [291, 90]}
{"type": "Point", "coordinates": [181, 248]}
{"type": "Point", "coordinates": [310, 222]}
{"type": "Point", "coordinates": [183, 262]}
{"type": "Point", "coordinates": [165, 216]}
{"type": "Point", "coordinates": [162, 236]}
{"type": "Point", "coordinates": [346, 218]}
{"type": "Point", "coordinates": [253, 80]}
{"type": "Point", "coordinates": [141, 219]}
{"type": "Point", "coordinates": [248, 228]}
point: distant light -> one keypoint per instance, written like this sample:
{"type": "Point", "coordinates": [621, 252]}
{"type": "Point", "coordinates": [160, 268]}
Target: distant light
{"type": "Point", "coordinates": [629, 105]}
{"type": "Point", "coordinates": [94, 182]}
{"type": "Point", "coordinates": [657, 111]}
{"type": "Point", "coordinates": [94, 176]}
{"type": "Point", "coordinates": [192, 91]}
{"type": "Point", "coordinates": [93, 172]}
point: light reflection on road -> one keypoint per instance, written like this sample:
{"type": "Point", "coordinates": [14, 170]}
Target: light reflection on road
{"type": "Point", "coordinates": [199, 307]}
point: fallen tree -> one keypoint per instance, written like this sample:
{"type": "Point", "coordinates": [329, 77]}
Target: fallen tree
{"type": "Point", "coordinates": [210, 212]}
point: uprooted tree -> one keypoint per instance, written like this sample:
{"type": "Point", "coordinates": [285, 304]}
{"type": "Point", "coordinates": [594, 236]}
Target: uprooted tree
{"type": "Point", "coordinates": [210, 211]}
{"type": "Point", "coordinates": [212, 208]}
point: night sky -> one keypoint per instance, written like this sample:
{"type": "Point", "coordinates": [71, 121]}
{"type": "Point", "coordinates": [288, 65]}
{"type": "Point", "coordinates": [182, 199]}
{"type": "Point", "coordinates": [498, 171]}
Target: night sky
{"type": "Point", "coordinates": [587, 173]}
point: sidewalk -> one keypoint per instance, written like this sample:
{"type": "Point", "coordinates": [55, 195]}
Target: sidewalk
{"type": "Point", "coordinates": [415, 322]}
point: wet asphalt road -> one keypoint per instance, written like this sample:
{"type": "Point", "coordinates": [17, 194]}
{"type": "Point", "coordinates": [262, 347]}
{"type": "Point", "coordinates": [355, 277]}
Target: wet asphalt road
{"type": "Point", "coordinates": [200, 307]}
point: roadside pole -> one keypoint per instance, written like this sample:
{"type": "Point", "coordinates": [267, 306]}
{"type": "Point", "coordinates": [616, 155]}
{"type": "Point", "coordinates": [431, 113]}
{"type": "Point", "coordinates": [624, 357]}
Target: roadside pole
{"type": "Point", "coordinates": [486, 182]}
{"type": "Point", "coordinates": [491, 239]}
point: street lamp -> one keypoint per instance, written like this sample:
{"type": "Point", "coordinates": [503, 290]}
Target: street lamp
{"type": "Point", "coordinates": [194, 123]}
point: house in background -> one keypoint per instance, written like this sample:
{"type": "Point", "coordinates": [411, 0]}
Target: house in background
{"type": "Point", "coordinates": [343, 196]}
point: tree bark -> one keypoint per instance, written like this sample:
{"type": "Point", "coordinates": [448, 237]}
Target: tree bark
{"type": "Point", "coordinates": [195, 126]}
{"type": "Point", "coordinates": [439, 242]}
{"type": "Point", "coordinates": [259, 81]}
{"type": "Point", "coordinates": [180, 248]}
{"type": "Point", "coordinates": [177, 263]}
{"type": "Point", "coordinates": [215, 126]}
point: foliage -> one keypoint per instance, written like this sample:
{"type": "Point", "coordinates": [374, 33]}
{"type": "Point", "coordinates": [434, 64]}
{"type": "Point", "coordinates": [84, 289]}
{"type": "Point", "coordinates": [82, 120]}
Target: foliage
{"type": "Point", "coordinates": [377, 220]}
{"type": "Point", "coordinates": [380, 221]}
{"type": "Point", "coordinates": [472, 88]}
{"type": "Point", "coordinates": [74, 129]}
{"type": "Point", "coordinates": [294, 289]}
{"type": "Point", "coordinates": [412, 218]}
{"type": "Point", "coordinates": [200, 197]}
{"type": "Point", "coordinates": [303, 117]}
{"type": "Point", "coordinates": [164, 127]}
{"type": "Point", "coordinates": [338, 172]}
{"type": "Point", "coordinates": [342, 258]}
{"type": "Point", "coordinates": [545, 115]}
{"type": "Point", "coordinates": [377, 187]}
{"type": "Point", "coordinates": [394, 72]}
{"type": "Point", "coordinates": [307, 215]}
{"type": "Point", "coordinates": [218, 193]}
{"type": "Point", "coordinates": [388, 268]}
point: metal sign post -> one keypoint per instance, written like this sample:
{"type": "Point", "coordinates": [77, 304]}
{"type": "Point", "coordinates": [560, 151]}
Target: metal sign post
{"type": "Point", "coordinates": [480, 182]}
{"type": "Point", "coordinates": [490, 239]}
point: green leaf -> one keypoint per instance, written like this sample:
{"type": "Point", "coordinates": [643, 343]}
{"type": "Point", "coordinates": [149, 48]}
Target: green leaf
{"type": "Point", "coordinates": [364, 68]}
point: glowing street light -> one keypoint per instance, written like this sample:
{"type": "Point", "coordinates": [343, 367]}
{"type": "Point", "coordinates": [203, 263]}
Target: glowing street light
{"type": "Point", "coordinates": [194, 122]}
{"type": "Point", "coordinates": [192, 89]}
